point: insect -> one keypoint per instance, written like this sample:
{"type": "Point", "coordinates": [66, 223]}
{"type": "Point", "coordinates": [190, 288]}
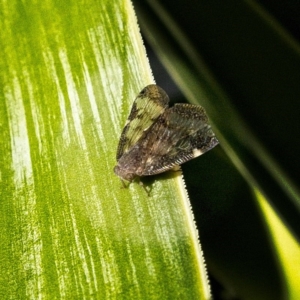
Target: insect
{"type": "Point", "coordinates": [157, 138]}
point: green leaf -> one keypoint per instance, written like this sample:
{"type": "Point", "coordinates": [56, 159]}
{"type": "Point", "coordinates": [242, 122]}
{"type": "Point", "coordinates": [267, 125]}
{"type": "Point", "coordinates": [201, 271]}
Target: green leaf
{"type": "Point", "coordinates": [69, 74]}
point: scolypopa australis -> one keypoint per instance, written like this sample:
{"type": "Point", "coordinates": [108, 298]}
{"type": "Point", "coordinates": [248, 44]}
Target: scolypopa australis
{"type": "Point", "coordinates": [157, 138]}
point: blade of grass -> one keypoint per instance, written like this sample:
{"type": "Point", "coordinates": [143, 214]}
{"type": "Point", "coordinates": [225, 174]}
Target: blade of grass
{"type": "Point", "coordinates": [69, 74]}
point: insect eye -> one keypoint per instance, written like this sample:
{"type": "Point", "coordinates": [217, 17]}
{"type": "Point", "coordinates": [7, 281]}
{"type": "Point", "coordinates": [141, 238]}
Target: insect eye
{"type": "Point", "coordinates": [143, 91]}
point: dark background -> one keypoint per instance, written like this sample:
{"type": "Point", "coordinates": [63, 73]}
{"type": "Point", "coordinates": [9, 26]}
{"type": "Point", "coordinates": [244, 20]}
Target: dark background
{"type": "Point", "coordinates": [240, 259]}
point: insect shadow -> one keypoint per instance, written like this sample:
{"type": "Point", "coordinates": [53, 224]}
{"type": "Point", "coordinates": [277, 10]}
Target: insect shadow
{"type": "Point", "coordinates": [147, 182]}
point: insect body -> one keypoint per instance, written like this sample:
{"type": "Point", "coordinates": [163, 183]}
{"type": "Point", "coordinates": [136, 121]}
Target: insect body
{"type": "Point", "coordinates": [157, 138]}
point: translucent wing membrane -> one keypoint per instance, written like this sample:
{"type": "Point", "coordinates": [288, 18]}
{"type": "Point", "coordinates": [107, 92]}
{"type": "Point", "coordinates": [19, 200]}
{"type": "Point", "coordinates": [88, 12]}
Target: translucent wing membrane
{"type": "Point", "coordinates": [182, 134]}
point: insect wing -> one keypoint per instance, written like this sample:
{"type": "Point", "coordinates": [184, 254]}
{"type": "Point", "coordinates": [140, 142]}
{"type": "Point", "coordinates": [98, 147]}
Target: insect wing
{"type": "Point", "coordinates": [181, 134]}
{"type": "Point", "coordinates": [146, 109]}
